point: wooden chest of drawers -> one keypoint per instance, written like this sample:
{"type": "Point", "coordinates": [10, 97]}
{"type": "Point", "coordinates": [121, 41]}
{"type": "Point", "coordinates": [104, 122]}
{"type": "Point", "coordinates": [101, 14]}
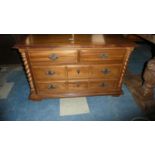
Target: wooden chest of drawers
{"type": "Point", "coordinates": [57, 66]}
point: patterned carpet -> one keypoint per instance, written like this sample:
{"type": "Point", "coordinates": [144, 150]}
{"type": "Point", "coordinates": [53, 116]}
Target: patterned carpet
{"type": "Point", "coordinates": [14, 103]}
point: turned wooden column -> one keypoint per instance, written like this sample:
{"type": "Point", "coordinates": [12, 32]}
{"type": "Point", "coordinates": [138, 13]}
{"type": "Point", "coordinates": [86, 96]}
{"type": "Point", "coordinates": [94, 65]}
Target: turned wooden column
{"type": "Point", "coordinates": [149, 80]}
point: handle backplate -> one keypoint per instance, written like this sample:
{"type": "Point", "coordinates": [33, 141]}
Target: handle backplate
{"type": "Point", "coordinates": [53, 57]}
{"type": "Point", "coordinates": [105, 71]}
{"type": "Point", "coordinates": [104, 55]}
{"type": "Point", "coordinates": [51, 86]}
{"type": "Point", "coordinates": [50, 73]}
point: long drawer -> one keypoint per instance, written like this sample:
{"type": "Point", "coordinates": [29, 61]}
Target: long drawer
{"type": "Point", "coordinates": [76, 86]}
{"type": "Point", "coordinates": [76, 72]}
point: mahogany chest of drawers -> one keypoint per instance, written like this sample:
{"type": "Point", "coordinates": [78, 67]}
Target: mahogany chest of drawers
{"type": "Point", "coordinates": [58, 66]}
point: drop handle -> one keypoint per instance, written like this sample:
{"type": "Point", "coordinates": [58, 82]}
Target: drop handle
{"type": "Point", "coordinates": [53, 57]}
{"type": "Point", "coordinates": [104, 56]}
{"type": "Point", "coordinates": [103, 85]}
{"type": "Point", "coordinates": [78, 71]}
{"type": "Point", "coordinates": [51, 86]}
{"type": "Point", "coordinates": [105, 71]}
{"type": "Point", "coordinates": [50, 73]}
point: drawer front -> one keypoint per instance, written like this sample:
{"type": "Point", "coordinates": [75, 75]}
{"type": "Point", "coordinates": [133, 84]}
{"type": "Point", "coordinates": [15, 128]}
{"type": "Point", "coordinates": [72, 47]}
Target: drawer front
{"type": "Point", "coordinates": [53, 57]}
{"type": "Point", "coordinates": [78, 72]}
{"type": "Point", "coordinates": [49, 73]}
{"type": "Point", "coordinates": [103, 85]}
{"type": "Point", "coordinates": [102, 55]}
{"type": "Point", "coordinates": [51, 87]}
{"type": "Point", "coordinates": [74, 86]}
{"type": "Point", "coordinates": [77, 86]}
{"type": "Point", "coordinates": [106, 71]}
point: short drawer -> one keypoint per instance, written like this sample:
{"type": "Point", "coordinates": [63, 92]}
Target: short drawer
{"type": "Point", "coordinates": [106, 71]}
{"type": "Point", "coordinates": [51, 87]}
{"type": "Point", "coordinates": [103, 85]}
{"type": "Point", "coordinates": [102, 55]}
{"type": "Point", "coordinates": [49, 73]}
{"type": "Point", "coordinates": [78, 71]}
{"type": "Point", "coordinates": [53, 57]}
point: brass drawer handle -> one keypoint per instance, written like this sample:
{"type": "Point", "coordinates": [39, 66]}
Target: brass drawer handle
{"type": "Point", "coordinates": [50, 73]}
{"type": "Point", "coordinates": [51, 86]}
{"type": "Point", "coordinates": [53, 57]}
{"type": "Point", "coordinates": [104, 55]}
{"type": "Point", "coordinates": [106, 71]}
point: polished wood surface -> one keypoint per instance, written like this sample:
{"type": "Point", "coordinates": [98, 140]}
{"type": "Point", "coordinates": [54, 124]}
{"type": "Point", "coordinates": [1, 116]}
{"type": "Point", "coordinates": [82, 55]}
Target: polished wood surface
{"type": "Point", "coordinates": [49, 72]}
{"type": "Point", "coordinates": [102, 55]}
{"type": "Point", "coordinates": [106, 71]}
{"type": "Point", "coordinates": [80, 40]}
{"type": "Point", "coordinates": [78, 72]}
{"type": "Point", "coordinates": [53, 56]}
{"type": "Point", "coordinates": [57, 66]}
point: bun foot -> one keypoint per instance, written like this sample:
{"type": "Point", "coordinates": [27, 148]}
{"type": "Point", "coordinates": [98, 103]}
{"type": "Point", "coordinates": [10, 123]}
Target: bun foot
{"type": "Point", "coordinates": [33, 96]}
{"type": "Point", "coordinates": [118, 94]}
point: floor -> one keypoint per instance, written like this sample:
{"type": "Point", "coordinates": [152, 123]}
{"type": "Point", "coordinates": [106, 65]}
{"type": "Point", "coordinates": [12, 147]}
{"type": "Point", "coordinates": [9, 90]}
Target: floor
{"type": "Point", "coordinates": [15, 106]}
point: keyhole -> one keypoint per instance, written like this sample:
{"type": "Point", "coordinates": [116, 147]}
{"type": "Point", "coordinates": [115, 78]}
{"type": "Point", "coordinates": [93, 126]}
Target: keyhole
{"type": "Point", "coordinates": [78, 71]}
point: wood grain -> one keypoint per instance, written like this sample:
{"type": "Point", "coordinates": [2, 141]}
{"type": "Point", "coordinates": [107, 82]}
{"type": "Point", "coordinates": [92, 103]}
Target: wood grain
{"type": "Point", "coordinates": [57, 67]}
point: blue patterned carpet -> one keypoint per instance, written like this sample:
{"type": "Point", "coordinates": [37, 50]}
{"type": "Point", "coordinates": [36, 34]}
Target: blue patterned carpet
{"type": "Point", "coordinates": [16, 105]}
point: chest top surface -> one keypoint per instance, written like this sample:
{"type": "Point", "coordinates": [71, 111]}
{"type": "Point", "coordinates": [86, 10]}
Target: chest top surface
{"type": "Point", "coordinates": [79, 41]}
